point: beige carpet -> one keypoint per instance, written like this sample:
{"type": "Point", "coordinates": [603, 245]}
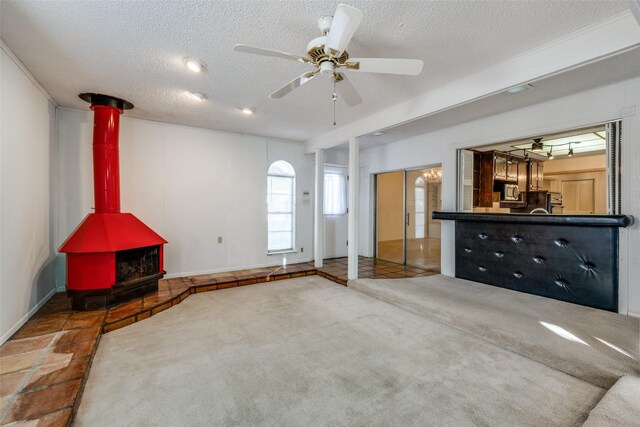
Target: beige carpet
{"type": "Point", "coordinates": [594, 345]}
{"type": "Point", "coordinates": [309, 352]}
{"type": "Point", "coordinates": [620, 407]}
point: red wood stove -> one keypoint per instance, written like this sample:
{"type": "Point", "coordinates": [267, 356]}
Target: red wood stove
{"type": "Point", "coordinates": [111, 256]}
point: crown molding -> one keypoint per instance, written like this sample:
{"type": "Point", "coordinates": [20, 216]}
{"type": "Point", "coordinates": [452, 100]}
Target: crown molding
{"type": "Point", "coordinates": [26, 72]}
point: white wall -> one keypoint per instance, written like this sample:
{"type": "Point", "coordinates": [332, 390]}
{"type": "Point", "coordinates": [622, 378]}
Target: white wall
{"type": "Point", "coordinates": [337, 156]}
{"type": "Point", "coordinates": [612, 102]}
{"type": "Point", "coordinates": [27, 177]}
{"type": "Point", "coordinates": [190, 185]}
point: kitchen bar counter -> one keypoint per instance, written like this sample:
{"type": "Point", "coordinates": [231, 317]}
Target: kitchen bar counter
{"type": "Point", "coordinates": [575, 220]}
{"type": "Point", "coordinates": [572, 258]}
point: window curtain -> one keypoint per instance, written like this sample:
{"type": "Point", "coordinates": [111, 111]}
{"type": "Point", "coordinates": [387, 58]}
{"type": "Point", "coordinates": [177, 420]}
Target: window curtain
{"type": "Point", "coordinates": [335, 194]}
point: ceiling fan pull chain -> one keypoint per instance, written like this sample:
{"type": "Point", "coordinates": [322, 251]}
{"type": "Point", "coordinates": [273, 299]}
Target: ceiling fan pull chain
{"type": "Point", "coordinates": [334, 98]}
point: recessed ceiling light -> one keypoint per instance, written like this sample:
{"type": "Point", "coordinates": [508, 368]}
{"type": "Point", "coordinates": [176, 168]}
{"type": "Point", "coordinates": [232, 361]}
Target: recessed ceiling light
{"type": "Point", "coordinates": [518, 89]}
{"type": "Point", "coordinates": [248, 110]}
{"type": "Point", "coordinates": [379, 133]}
{"type": "Point", "coordinates": [198, 95]}
{"type": "Point", "coordinates": [194, 65]}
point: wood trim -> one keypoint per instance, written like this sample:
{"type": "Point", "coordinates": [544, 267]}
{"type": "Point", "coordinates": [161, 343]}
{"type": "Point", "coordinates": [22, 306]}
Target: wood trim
{"type": "Point", "coordinates": [575, 172]}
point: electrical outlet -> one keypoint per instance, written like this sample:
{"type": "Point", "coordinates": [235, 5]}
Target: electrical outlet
{"type": "Point", "coordinates": [219, 239]}
{"type": "Point", "coordinates": [301, 250]}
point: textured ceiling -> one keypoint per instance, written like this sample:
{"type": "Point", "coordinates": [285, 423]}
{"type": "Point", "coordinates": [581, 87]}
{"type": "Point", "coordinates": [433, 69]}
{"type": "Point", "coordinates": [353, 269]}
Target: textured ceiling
{"type": "Point", "coordinates": [133, 49]}
{"type": "Point", "coordinates": [615, 69]}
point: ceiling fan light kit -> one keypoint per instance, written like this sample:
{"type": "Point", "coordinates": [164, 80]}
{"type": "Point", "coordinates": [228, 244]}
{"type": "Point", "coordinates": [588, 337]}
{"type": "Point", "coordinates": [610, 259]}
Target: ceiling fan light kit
{"type": "Point", "coordinates": [326, 68]}
{"type": "Point", "coordinates": [328, 55]}
{"type": "Point", "coordinates": [324, 24]}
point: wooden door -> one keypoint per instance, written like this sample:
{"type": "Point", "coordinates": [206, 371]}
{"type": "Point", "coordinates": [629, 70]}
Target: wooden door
{"type": "Point", "coordinates": [578, 196]}
{"type": "Point", "coordinates": [390, 216]}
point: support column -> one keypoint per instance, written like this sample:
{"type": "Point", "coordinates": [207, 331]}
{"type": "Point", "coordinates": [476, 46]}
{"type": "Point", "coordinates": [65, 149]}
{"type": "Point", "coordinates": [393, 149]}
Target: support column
{"type": "Point", "coordinates": [318, 217]}
{"type": "Point", "coordinates": [354, 197]}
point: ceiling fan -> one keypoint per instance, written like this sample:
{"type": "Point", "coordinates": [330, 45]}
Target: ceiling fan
{"type": "Point", "coordinates": [328, 55]}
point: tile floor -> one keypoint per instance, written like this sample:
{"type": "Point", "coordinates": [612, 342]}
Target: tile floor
{"type": "Point", "coordinates": [335, 269]}
{"type": "Point", "coordinates": [44, 366]}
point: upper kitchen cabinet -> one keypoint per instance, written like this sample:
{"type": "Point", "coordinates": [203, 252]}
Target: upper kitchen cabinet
{"type": "Point", "coordinates": [496, 169]}
{"type": "Point", "coordinates": [536, 175]}
{"type": "Point", "coordinates": [505, 167]}
{"type": "Point", "coordinates": [499, 166]}
{"type": "Point", "coordinates": [513, 168]}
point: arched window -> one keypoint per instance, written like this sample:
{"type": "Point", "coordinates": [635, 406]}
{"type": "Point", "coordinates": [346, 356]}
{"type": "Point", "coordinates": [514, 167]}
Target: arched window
{"type": "Point", "coordinates": [281, 190]}
{"type": "Point", "coordinates": [419, 204]}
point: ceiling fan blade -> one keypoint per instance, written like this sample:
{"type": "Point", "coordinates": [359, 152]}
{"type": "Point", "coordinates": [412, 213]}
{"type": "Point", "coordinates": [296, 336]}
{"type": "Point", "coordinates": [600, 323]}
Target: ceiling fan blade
{"type": "Point", "coordinates": [411, 67]}
{"type": "Point", "coordinates": [293, 84]}
{"type": "Point", "coordinates": [344, 24]}
{"type": "Point", "coordinates": [268, 52]}
{"type": "Point", "coordinates": [347, 91]}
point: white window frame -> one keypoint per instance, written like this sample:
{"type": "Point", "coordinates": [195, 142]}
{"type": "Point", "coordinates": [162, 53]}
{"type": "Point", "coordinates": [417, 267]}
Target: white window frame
{"type": "Point", "coordinates": [292, 177]}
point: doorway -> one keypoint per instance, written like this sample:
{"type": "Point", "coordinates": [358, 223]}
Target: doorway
{"type": "Point", "coordinates": [405, 231]}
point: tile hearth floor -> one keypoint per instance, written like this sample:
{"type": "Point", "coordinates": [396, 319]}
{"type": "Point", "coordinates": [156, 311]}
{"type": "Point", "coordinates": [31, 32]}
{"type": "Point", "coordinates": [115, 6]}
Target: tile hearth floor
{"type": "Point", "coordinates": [43, 366]}
{"type": "Point", "coordinates": [335, 269]}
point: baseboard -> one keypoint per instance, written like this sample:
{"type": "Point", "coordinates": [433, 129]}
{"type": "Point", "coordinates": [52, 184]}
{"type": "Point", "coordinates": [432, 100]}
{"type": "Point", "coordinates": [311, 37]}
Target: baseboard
{"type": "Point", "coordinates": [225, 269]}
{"type": "Point", "coordinates": [26, 317]}
{"type": "Point", "coordinates": [633, 313]}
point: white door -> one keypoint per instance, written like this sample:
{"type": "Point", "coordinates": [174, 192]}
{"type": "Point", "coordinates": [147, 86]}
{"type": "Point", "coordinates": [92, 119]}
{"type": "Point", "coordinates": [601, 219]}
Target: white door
{"type": "Point", "coordinates": [578, 196]}
{"type": "Point", "coordinates": [336, 225]}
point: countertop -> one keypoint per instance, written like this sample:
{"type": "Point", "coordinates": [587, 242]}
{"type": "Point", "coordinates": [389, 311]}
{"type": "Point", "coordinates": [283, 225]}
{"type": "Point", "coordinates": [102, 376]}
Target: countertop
{"type": "Point", "coordinates": [551, 219]}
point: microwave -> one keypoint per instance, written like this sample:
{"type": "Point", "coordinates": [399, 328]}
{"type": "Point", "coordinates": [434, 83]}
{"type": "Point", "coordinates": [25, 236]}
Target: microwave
{"type": "Point", "coordinates": [511, 192]}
